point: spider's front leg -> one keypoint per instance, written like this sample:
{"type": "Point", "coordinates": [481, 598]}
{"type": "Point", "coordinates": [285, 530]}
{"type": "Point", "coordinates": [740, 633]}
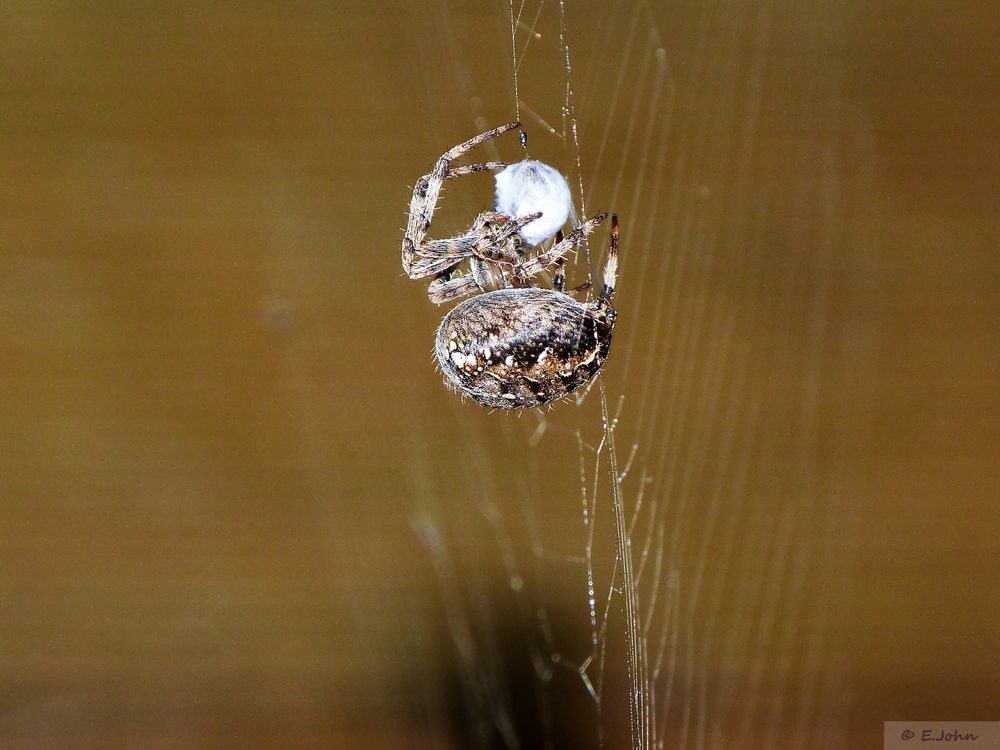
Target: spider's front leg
{"type": "Point", "coordinates": [497, 236]}
{"type": "Point", "coordinates": [428, 188]}
{"type": "Point", "coordinates": [491, 238]}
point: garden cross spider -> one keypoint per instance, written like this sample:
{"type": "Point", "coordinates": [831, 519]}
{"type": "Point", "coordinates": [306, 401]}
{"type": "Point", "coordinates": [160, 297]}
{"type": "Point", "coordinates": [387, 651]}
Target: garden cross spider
{"type": "Point", "coordinates": [515, 345]}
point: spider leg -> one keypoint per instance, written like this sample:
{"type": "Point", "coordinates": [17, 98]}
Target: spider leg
{"type": "Point", "coordinates": [611, 266]}
{"type": "Point", "coordinates": [540, 262]}
{"type": "Point", "coordinates": [461, 148]}
{"type": "Point", "coordinates": [488, 239]}
{"type": "Point", "coordinates": [438, 255]}
{"type": "Point", "coordinates": [442, 290]}
{"type": "Point", "coordinates": [428, 188]}
{"type": "Point", "coordinates": [493, 237]}
{"type": "Point", "coordinates": [559, 280]}
{"type": "Point", "coordinates": [473, 168]}
{"type": "Point", "coordinates": [488, 275]}
{"type": "Point", "coordinates": [510, 227]}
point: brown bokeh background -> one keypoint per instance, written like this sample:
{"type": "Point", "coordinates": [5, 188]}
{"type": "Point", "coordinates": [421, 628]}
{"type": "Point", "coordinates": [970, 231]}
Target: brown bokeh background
{"type": "Point", "coordinates": [222, 441]}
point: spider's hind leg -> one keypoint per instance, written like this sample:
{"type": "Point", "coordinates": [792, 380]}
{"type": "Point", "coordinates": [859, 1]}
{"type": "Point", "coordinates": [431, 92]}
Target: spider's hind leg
{"type": "Point", "coordinates": [444, 289]}
{"type": "Point", "coordinates": [611, 266]}
{"type": "Point", "coordinates": [559, 279]}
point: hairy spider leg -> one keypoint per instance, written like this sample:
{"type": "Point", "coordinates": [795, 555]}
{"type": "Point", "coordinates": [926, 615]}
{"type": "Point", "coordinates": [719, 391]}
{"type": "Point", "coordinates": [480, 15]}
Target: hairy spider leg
{"type": "Point", "coordinates": [489, 239]}
{"type": "Point", "coordinates": [428, 188]}
{"type": "Point", "coordinates": [537, 264]}
{"type": "Point", "coordinates": [502, 235]}
{"type": "Point", "coordinates": [440, 256]}
{"type": "Point", "coordinates": [443, 290]}
{"type": "Point", "coordinates": [559, 279]}
{"type": "Point", "coordinates": [611, 266]}
{"type": "Point", "coordinates": [487, 275]}
{"type": "Point", "coordinates": [500, 245]}
{"type": "Point", "coordinates": [485, 166]}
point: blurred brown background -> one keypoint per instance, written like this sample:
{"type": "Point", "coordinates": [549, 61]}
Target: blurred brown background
{"type": "Point", "coordinates": [239, 509]}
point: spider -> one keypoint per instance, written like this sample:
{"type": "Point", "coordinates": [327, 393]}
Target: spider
{"type": "Point", "coordinates": [515, 344]}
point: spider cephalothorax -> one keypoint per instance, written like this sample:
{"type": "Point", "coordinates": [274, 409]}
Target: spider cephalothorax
{"type": "Point", "coordinates": [515, 344]}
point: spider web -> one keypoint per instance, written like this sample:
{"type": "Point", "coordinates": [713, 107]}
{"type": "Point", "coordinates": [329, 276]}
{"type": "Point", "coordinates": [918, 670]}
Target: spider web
{"type": "Point", "coordinates": [656, 565]}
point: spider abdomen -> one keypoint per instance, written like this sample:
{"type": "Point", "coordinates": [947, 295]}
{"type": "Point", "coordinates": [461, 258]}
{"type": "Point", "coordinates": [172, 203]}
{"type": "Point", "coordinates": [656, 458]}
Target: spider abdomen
{"type": "Point", "coordinates": [516, 348]}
